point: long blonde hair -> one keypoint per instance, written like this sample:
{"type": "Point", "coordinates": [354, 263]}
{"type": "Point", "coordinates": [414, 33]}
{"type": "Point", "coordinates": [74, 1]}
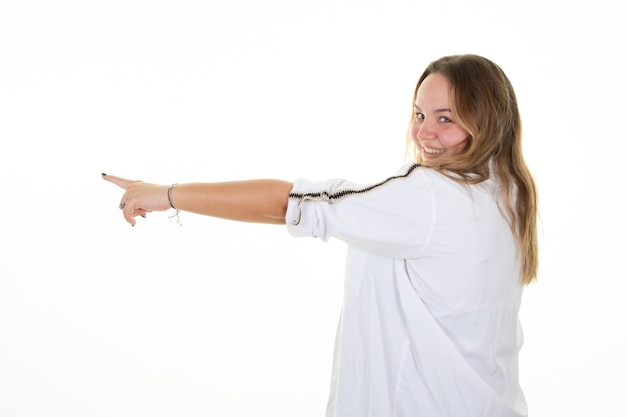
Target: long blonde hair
{"type": "Point", "coordinates": [484, 104]}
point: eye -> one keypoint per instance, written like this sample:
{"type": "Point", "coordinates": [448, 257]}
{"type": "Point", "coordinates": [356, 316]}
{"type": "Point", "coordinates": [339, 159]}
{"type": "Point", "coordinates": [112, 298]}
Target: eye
{"type": "Point", "coordinates": [444, 119]}
{"type": "Point", "coordinates": [419, 116]}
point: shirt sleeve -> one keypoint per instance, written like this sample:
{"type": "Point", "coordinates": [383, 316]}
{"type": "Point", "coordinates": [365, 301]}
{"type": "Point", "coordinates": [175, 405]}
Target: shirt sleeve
{"type": "Point", "coordinates": [393, 218]}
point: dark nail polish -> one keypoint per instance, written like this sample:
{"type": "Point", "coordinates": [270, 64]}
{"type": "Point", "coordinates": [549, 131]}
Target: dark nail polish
{"type": "Point", "coordinates": [103, 174]}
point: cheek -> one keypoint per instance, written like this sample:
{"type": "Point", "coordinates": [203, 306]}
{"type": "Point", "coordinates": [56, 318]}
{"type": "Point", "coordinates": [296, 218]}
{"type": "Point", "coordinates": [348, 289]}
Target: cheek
{"type": "Point", "coordinates": [455, 139]}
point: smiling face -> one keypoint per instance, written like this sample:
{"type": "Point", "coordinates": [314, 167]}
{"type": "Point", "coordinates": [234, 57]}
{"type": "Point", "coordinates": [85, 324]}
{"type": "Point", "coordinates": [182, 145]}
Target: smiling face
{"type": "Point", "coordinates": [434, 130]}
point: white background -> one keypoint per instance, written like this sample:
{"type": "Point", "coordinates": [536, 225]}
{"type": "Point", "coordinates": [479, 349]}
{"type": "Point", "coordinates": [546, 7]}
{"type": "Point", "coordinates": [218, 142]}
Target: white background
{"type": "Point", "coordinates": [217, 318]}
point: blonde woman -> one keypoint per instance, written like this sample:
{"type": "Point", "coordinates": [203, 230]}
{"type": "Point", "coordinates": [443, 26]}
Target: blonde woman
{"type": "Point", "coordinates": [438, 253]}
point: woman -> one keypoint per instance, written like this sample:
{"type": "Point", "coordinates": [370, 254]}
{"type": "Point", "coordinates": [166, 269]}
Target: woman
{"type": "Point", "coordinates": [438, 253]}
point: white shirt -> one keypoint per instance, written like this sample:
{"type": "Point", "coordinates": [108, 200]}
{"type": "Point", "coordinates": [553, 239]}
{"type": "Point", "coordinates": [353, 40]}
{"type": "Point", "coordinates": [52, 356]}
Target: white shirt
{"type": "Point", "coordinates": [429, 325]}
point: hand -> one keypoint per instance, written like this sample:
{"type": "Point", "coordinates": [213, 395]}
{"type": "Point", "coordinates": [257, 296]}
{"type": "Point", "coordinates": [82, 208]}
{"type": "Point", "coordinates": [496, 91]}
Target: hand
{"type": "Point", "coordinates": [140, 197]}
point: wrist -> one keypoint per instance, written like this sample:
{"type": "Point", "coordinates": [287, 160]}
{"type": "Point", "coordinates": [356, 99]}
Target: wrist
{"type": "Point", "coordinates": [170, 191]}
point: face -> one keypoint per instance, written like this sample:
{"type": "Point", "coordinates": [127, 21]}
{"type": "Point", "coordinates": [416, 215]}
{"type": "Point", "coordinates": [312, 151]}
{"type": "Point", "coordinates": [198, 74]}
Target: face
{"type": "Point", "coordinates": [434, 130]}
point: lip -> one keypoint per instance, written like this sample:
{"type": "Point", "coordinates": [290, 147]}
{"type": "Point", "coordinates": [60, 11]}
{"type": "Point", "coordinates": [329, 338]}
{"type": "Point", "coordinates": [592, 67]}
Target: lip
{"type": "Point", "coordinates": [431, 153]}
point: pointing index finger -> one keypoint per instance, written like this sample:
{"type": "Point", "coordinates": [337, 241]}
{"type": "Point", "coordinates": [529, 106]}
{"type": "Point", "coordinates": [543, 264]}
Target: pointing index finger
{"type": "Point", "coordinates": [120, 182]}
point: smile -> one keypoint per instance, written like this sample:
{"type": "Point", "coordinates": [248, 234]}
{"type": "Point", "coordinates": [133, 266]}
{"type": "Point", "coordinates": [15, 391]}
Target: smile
{"type": "Point", "coordinates": [433, 151]}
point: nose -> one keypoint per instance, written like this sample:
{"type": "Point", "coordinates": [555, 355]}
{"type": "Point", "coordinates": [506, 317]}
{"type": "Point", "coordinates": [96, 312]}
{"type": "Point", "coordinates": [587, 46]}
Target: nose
{"type": "Point", "coordinates": [425, 130]}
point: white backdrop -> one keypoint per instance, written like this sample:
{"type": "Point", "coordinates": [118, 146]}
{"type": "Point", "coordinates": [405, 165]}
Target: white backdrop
{"type": "Point", "coordinates": [220, 318]}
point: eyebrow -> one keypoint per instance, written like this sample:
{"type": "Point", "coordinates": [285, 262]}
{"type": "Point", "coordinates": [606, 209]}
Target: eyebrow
{"type": "Point", "coordinates": [443, 110]}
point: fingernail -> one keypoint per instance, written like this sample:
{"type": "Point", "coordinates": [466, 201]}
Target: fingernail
{"type": "Point", "coordinates": [103, 174]}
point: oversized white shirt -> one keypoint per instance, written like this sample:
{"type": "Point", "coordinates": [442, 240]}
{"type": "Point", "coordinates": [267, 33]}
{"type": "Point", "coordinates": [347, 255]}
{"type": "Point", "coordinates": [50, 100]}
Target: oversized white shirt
{"type": "Point", "coordinates": [429, 325]}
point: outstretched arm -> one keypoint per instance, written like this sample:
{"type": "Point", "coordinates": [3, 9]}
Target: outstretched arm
{"type": "Point", "coordinates": [258, 201]}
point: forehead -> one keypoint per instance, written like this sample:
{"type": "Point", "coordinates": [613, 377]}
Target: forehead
{"type": "Point", "coordinates": [434, 90]}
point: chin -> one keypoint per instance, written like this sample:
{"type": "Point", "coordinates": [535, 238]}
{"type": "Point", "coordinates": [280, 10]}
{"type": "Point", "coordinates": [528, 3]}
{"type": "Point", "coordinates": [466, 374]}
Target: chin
{"type": "Point", "coordinates": [423, 161]}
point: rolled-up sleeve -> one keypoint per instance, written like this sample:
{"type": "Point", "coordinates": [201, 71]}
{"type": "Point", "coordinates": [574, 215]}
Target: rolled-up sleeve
{"type": "Point", "coordinates": [393, 218]}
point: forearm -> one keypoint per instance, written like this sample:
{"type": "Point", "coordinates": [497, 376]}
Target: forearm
{"type": "Point", "coordinates": [258, 201]}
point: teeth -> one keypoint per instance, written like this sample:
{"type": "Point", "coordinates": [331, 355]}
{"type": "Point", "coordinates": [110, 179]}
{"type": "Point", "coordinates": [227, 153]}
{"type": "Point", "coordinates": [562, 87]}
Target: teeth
{"type": "Point", "coordinates": [433, 151]}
